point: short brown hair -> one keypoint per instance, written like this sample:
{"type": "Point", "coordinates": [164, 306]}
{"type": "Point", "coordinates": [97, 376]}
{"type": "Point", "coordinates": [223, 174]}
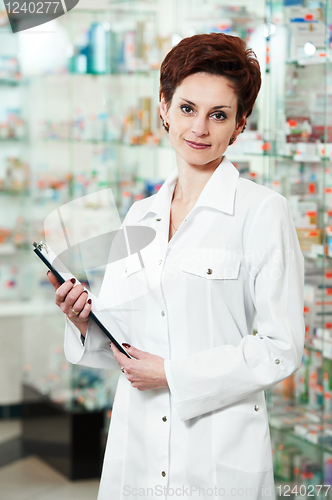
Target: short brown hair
{"type": "Point", "coordinates": [217, 54]}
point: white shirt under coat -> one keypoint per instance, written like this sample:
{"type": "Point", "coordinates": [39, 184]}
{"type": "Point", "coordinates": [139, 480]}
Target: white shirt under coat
{"type": "Point", "coordinates": [235, 255]}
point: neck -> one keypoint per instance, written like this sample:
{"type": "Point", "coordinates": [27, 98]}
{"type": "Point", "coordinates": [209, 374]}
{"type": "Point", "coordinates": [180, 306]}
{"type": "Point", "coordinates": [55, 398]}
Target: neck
{"type": "Point", "coordinates": [192, 179]}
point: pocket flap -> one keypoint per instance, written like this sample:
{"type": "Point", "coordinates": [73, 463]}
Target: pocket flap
{"type": "Point", "coordinates": [211, 263]}
{"type": "Point", "coordinates": [132, 265]}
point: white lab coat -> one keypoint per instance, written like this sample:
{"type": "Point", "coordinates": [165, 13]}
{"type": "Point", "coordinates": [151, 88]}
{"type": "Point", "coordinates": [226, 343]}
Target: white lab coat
{"type": "Point", "coordinates": [194, 302]}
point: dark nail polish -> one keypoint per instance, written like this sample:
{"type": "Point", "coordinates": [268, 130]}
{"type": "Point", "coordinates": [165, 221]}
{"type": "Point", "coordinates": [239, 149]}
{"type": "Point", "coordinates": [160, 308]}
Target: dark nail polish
{"type": "Point", "coordinates": [127, 346]}
{"type": "Point", "coordinates": [89, 301]}
{"type": "Point", "coordinates": [73, 280]}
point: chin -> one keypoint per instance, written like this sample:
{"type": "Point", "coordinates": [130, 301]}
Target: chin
{"type": "Point", "coordinates": [199, 157]}
{"type": "Point", "coordinates": [198, 161]}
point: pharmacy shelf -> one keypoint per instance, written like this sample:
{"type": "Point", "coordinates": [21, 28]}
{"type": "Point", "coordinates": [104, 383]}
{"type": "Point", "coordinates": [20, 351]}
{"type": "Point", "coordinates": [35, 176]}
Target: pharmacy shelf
{"type": "Point", "coordinates": [130, 74]}
{"type": "Point", "coordinates": [13, 139]}
{"type": "Point", "coordinates": [302, 439]}
{"type": "Point", "coordinates": [7, 249]}
{"type": "Point", "coordinates": [20, 308]}
{"type": "Point", "coordinates": [106, 143]}
{"type": "Point", "coordinates": [9, 83]}
{"type": "Point", "coordinates": [4, 192]}
{"type": "Point", "coordinates": [269, 155]}
{"type": "Point", "coordinates": [128, 7]}
{"type": "Point", "coordinates": [296, 158]}
{"type": "Point", "coordinates": [310, 61]}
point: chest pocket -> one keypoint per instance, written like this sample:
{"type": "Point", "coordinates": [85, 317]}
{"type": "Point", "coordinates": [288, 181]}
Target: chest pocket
{"type": "Point", "coordinates": [132, 265]}
{"type": "Point", "coordinates": [211, 263]}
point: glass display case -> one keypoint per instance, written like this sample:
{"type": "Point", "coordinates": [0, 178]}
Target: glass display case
{"type": "Point", "coordinates": [297, 163]}
{"type": "Point", "coordinates": [94, 125]}
{"type": "Point", "coordinates": [14, 169]}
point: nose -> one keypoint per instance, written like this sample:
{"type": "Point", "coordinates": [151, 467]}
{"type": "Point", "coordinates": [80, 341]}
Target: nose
{"type": "Point", "coordinates": [200, 126]}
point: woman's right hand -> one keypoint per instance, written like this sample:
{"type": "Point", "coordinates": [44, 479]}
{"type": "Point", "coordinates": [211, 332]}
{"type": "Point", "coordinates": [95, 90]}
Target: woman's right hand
{"type": "Point", "coordinates": [68, 297]}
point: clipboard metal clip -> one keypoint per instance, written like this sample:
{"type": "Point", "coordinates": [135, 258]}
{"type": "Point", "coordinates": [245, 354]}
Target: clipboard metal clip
{"type": "Point", "coordinates": [41, 245]}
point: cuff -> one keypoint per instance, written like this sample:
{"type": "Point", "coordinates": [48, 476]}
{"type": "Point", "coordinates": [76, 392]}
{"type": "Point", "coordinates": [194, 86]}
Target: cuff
{"type": "Point", "coordinates": [169, 377]}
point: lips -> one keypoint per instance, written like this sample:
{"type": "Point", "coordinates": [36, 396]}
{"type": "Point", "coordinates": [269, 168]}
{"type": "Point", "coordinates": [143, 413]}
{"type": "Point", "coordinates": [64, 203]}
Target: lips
{"type": "Point", "coordinates": [197, 145]}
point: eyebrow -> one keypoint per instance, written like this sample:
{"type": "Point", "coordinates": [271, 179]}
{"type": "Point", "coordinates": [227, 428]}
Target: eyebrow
{"type": "Point", "coordinates": [214, 107]}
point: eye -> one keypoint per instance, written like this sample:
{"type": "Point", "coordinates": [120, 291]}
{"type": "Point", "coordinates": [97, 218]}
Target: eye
{"type": "Point", "coordinates": [186, 109]}
{"type": "Point", "coordinates": [220, 116]}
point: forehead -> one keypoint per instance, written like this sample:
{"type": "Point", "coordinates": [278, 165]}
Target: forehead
{"type": "Point", "coordinates": [206, 88]}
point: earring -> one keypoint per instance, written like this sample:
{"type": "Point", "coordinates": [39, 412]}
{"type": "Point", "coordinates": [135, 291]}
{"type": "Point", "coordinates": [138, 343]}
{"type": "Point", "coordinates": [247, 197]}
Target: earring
{"type": "Point", "coordinates": [232, 140]}
{"type": "Point", "coordinates": [166, 126]}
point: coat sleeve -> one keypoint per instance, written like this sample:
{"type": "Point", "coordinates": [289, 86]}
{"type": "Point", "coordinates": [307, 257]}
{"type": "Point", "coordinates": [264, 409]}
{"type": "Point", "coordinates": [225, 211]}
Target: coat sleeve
{"type": "Point", "coordinates": [214, 378]}
{"type": "Point", "coordinates": [95, 352]}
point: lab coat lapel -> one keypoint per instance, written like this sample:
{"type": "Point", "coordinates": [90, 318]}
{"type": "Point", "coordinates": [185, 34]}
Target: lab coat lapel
{"type": "Point", "coordinates": [218, 193]}
{"type": "Point", "coordinates": [160, 211]}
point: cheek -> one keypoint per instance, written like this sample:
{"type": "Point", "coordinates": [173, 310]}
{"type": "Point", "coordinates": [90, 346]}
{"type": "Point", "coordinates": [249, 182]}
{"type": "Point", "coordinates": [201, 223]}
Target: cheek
{"type": "Point", "coordinates": [177, 128]}
{"type": "Point", "coordinates": [224, 133]}
{"type": "Point", "coordinates": [173, 135]}
{"type": "Point", "coordinates": [219, 134]}
{"type": "Point", "coordinates": [179, 121]}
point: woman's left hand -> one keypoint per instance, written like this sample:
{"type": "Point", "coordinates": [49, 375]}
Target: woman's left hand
{"type": "Point", "coordinates": [144, 372]}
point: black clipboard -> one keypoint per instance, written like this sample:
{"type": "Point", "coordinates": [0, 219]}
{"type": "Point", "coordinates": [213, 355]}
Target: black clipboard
{"type": "Point", "coordinates": [38, 248]}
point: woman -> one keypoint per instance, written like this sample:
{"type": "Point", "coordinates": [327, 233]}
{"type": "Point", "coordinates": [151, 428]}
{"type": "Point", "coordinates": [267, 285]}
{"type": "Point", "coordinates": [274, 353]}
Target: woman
{"type": "Point", "coordinates": [189, 416]}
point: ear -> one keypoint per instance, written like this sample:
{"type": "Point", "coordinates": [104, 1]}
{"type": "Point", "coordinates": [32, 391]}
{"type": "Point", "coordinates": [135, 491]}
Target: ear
{"type": "Point", "coordinates": [240, 125]}
{"type": "Point", "coordinates": [163, 110]}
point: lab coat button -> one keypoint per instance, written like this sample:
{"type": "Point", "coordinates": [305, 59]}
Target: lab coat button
{"type": "Point", "coordinates": [125, 270]}
{"type": "Point", "coordinates": [163, 473]}
{"type": "Point", "coordinates": [163, 313]}
{"type": "Point", "coordinates": [209, 271]}
{"type": "Point", "coordinates": [164, 419]}
{"type": "Point", "coordinates": [158, 220]}
{"type": "Point", "coordinates": [277, 361]}
{"type": "Point", "coordinates": [256, 408]}
{"type": "Point", "coordinates": [160, 261]}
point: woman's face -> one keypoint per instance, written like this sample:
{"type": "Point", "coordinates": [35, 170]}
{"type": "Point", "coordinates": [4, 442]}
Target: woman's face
{"type": "Point", "coordinates": [202, 118]}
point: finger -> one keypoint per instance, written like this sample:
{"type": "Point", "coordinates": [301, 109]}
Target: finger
{"type": "Point", "coordinates": [121, 358]}
{"type": "Point", "coordinates": [53, 280]}
{"type": "Point", "coordinates": [62, 291]}
{"type": "Point", "coordinates": [84, 314]}
{"type": "Point", "coordinates": [83, 311]}
{"type": "Point", "coordinates": [71, 297]}
{"type": "Point", "coordinates": [80, 302]}
{"type": "Point", "coordinates": [135, 353]}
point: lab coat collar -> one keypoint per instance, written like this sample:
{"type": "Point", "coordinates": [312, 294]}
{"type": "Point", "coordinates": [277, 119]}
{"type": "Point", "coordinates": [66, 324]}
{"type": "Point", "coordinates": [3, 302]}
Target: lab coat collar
{"type": "Point", "coordinates": [218, 193]}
